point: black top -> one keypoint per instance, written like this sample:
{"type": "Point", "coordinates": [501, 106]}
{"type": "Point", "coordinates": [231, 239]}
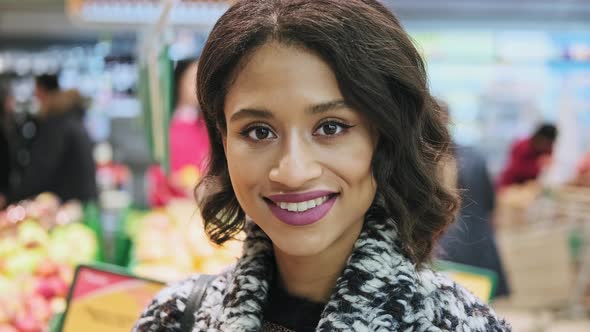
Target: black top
{"type": "Point", "coordinates": [5, 160]}
{"type": "Point", "coordinates": [470, 239]}
{"type": "Point", "coordinates": [285, 312]}
{"type": "Point", "coordinates": [59, 160]}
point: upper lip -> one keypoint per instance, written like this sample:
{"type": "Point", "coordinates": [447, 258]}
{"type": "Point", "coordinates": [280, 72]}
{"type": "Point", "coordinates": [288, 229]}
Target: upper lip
{"type": "Point", "coordinates": [299, 197]}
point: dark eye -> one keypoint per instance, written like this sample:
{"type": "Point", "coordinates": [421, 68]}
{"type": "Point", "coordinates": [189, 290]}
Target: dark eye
{"type": "Point", "coordinates": [260, 133]}
{"type": "Point", "coordinates": [331, 128]}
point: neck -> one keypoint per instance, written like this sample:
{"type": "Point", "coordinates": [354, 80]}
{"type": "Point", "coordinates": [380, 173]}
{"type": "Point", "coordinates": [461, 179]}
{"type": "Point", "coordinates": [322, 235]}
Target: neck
{"type": "Point", "coordinates": [314, 277]}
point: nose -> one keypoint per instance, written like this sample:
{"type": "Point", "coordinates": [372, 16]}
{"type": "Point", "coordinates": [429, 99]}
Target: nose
{"type": "Point", "coordinates": [297, 164]}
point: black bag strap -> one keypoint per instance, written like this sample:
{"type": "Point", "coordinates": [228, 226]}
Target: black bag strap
{"type": "Point", "coordinates": [194, 302]}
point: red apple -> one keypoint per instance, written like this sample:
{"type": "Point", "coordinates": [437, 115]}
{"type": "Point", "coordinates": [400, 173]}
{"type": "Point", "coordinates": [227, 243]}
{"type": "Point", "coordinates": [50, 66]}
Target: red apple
{"type": "Point", "coordinates": [7, 328]}
{"type": "Point", "coordinates": [38, 307]}
{"type": "Point", "coordinates": [60, 287]}
{"type": "Point", "coordinates": [45, 289]}
{"type": "Point", "coordinates": [46, 268]}
{"type": "Point", "coordinates": [27, 323]}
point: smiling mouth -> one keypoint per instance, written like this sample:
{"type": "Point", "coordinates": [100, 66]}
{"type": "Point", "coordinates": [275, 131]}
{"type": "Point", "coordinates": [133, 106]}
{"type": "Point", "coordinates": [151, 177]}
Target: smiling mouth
{"type": "Point", "coordinates": [301, 206]}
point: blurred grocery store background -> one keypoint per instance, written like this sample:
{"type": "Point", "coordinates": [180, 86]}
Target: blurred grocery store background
{"type": "Point", "coordinates": [502, 67]}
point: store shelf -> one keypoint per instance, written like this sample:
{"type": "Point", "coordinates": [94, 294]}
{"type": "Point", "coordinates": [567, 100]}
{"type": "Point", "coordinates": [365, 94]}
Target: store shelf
{"type": "Point", "coordinates": [199, 14]}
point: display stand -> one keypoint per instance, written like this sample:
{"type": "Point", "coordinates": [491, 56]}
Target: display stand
{"type": "Point", "coordinates": [481, 282]}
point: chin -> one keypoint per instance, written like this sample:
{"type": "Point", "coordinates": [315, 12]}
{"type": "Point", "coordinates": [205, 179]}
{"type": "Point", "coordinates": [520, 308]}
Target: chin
{"type": "Point", "coordinates": [300, 245]}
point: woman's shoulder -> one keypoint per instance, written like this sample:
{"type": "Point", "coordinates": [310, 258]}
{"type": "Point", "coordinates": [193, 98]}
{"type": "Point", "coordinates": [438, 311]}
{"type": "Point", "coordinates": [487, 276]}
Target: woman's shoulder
{"type": "Point", "coordinates": [166, 310]}
{"type": "Point", "coordinates": [451, 306]}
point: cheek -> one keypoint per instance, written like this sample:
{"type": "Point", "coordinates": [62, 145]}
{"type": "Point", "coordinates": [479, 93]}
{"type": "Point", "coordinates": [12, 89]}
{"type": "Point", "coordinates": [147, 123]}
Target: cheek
{"type": "Point", "coordinates": [247, 169]}
{"type": "Point", "coordinates": [351, 161]}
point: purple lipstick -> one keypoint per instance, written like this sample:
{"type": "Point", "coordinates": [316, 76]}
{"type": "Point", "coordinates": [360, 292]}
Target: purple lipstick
{"type": "Point", "coordinates": [303, 208]}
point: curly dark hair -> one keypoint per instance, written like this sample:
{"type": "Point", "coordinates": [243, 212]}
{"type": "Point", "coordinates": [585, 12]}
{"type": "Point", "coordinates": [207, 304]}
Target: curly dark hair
{"type": "Point", "coordinates": [380, 74]}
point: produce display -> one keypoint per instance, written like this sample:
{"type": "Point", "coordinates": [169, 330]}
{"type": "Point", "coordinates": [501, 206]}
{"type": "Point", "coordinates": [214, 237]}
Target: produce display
{"type": "Point", "coordinates": [170, 244]}
{"type": "Point", "coordinates": [41, 242]}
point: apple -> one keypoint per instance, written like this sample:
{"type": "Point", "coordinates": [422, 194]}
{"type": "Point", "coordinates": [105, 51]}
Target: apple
{"type": "Point", "coordinates": [5, 314]}
{"type": "Point", "coordinates": [6, 285]}
{"type": "Point", "coordinates": [45, 289]}
{"type": "Point", "coordinates": [10, 304]}
{"type": "Point", "coordinates": [27, 323]}
{"type": "Point", "coordinates": [69, 212]}
{"type": "Point", "coordinates": [59, 286]}
{"type": "Point", "coordinates": [8, 246]}
{"type": "Point", "coordinates": [38, 307]}
{"type": "Point", "coordinates": [46, 268]}
{"type": "Point", "coordinates": [48, 203]}
{"type": "Point", "coordinates": [7, 328]}
{"type": "Point", "coordinates": [24, 262]}
{"type": "Point", "coordinates": [32, 235]}
{"type": "Point", "coordinates": [59, 251]}
{"type": "Point", "coordinates": [73, 244]}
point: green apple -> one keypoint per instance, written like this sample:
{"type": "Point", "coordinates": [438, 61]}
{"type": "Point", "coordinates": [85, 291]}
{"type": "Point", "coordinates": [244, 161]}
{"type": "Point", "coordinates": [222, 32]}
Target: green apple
{"type": "Point", "coordinates": [31, 235]}
{"type": "Point", "coordinates": [24, 262]}
{"type": "Point", "coordinates": [8, 246]}
{"type": "Point", "coordinates": [73, 243]}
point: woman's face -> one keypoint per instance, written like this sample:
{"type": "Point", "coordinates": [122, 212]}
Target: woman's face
{"type": "Point", "coordinates": [299, 158]}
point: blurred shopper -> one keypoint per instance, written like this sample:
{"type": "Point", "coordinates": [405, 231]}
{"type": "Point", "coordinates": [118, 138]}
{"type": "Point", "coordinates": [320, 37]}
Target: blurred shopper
{"type": "Point", "coordinates": [19, 130]}
{"type": "Point", "coordinates": [60, 157]}
{"type": "Point", "coordinates": [189, 141]}
{"type": "Point", "coordinates": [583, 171]}
{"type": "Point", "coordinates": [5, 151]}
{"type": "Point", "coordinates": [528, 157]}
{"type": "Point", "coordinates": [471, 239]}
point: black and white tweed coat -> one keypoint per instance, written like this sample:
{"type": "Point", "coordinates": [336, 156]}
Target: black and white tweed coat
{"type": "Point", "coordinates": [379, 290]}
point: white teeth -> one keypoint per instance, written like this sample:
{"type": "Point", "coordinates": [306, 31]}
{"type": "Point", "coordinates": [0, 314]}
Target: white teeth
{"type": "Point", "coordinates": [302, 206]}
{"type": "Point", "coordinates": [320, 201]}
{"type": "Point", "coordinates": [292, 207]}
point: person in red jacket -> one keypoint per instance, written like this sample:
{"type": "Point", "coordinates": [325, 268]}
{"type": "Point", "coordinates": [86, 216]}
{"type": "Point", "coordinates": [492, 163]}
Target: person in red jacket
{"type": "Point", "coordinates": [583, 171]}
{"type": "Point", "coordinates": [529, 156]}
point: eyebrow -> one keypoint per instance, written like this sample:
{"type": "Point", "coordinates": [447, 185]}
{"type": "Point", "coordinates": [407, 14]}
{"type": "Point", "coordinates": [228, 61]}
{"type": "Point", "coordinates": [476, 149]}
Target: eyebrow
{"type": "Point", "coordinates": [266, 114]}
{"type": "Point", "coordinates": [250, 113]}
{"type": "Point", "coordinates": [329, 106]}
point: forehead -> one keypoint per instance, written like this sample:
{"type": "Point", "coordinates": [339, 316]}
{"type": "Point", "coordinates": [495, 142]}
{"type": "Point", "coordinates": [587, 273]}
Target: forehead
{"type": "Point", "coordinates": [276, 75]}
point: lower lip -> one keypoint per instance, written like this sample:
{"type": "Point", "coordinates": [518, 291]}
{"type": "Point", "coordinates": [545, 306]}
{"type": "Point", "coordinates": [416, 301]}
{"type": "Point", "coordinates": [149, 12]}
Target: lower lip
{"type": "Point", "coordinates": [308, 217]}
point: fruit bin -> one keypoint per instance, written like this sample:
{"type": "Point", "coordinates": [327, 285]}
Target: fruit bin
{"type": "Point", "coordinates": [41, 242]}
{"type": "Point", "coordinates": [169, 243]}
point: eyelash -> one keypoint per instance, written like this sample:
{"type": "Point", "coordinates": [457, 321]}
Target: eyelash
{"type": "Point", "coordinates": [246, 132]}
{"type": "Point", "coordinates": [341, 124]}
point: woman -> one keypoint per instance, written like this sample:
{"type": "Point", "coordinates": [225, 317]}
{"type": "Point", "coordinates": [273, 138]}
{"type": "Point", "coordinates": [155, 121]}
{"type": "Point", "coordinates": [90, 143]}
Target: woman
{"type": "Point", "coordinates": [325, 135]}
{"type": "Point", "coordinates": [189, 141]}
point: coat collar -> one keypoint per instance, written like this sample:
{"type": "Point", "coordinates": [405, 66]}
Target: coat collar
{"type": "Point", "coordinates": [373, 293]}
